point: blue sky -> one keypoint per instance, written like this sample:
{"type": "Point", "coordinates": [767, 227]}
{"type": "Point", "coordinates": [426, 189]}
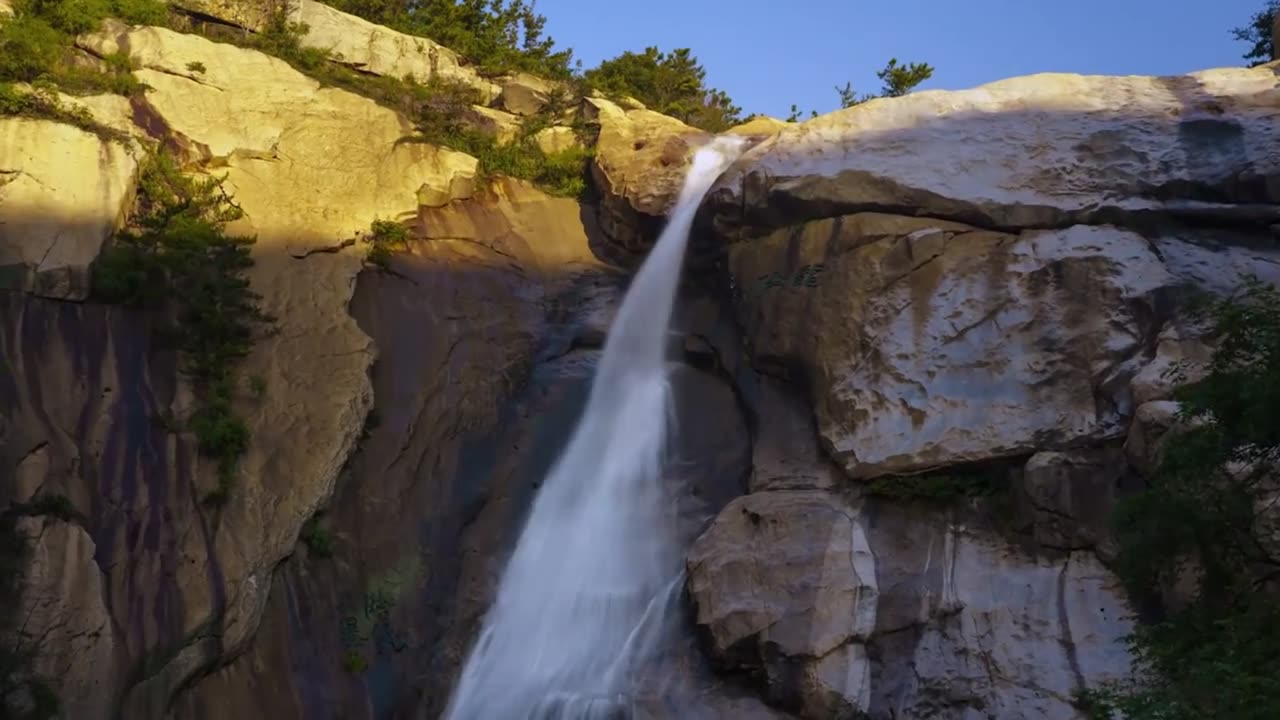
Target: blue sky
{"type": "Point", "coordinates": [768, 54]}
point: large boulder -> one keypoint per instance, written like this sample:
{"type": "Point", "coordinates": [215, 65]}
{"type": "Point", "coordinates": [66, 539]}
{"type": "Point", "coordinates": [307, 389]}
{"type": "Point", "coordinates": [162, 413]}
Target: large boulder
{"type": "Point", "coordinates": [640, 162]}
{"type": "Point", "coordinates": [525, 94]}
{"type": "Point", "coordinates": [382, 51]}
{"type": "Point", "coordinates": [785, 582]}
{"type": "Point", "coordinates": [1067, 498]}
{"type": "Point", "coordinates": [1043, 151]}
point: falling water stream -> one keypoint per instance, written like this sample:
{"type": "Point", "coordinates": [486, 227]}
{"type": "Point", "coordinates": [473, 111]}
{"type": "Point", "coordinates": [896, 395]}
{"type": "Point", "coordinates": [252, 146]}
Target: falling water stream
{"type": "Point", "coordinates": [588, 593]}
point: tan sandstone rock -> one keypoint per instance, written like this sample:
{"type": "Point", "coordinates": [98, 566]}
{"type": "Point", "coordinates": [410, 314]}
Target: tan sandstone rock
{"type": "Point", "coordinates": [557, 139]}
{"type": "Point", "coordinates": [383, 51]}
{"type": "Point", "coordinates": [1038, 151]}
{"type": "Point", "coordinates": [760, 125]}
{"type": "Point", "coordinates": [311, 167]}
{"type": "Point", "coordinates": [63, 192]}
{"type": "Point", "coordinates": [352, 40]}
{"type": "Point", "coordinates": [641, 157]}
{"type": "Point", "coordinates": [502, 126]}
{"type": "Point", "coordinates": [525, 94]}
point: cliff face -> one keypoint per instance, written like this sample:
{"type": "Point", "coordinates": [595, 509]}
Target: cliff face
{"type": "Point", "coordinates": [984, 284]}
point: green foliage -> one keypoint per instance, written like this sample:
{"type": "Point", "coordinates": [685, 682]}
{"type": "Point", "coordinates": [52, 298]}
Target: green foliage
{"type": "Point", "coordinates": [385, 237]}
{"type": "Point", "coordinates": [197, 67]}
{"type": "Point", "coordinates": [896, 80]}
{"type": "Point", "coordinates": [257, 386]}
{"type": "Point", "coordinates": [670, 83]}
{"type": "Point", "coordinates": [36, 44]}
{"type": "Point", "coordinates": [939, 488]}
{"type": "Point", "coordinates": [283, 39]}
{"type": "Point", "coordinates": [177, 258]}
{"type": "Point", "coordinates": [499, 36]}
{"type": "Point", "coordinates": [43, 103]}
{"type": "Point", "coordinates": [29, 48]}
{"type": "Point", "coordinates": [75, 17]}
{"type": "Point", "coordinates": [1217, 657]}
{"type": "Point", "coordinates": [317, 538]}
{"type": "Point", "coordinates": [438, 110]}
{"type": "Point", "coordinates": [795, 114]}
{"type": "Point", "coordinates": [354, 663]}
{"type": "Point", "coordinates": [1258, 34]}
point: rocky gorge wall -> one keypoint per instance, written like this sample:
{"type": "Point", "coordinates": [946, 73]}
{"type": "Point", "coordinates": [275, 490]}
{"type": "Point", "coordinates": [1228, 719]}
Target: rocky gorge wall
{"type": "Point", "coordinates": [977, 289]}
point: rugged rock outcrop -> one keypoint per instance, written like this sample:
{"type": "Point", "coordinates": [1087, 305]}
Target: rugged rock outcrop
{"type": "Point", "coordinates": [987, 282]}
{"type": "Point", "coordinates": [186, 584]}
{"type": "Point", "coordinates": [991, 282]}
{"type": "Point", "coordinates": [1043, 151]}
{"type": "Point", "coordinates": [365, 46]}
{"type": "Point", "coordinates": [641, 158]}
{"type": "Point", "coordinates": [813, 616]}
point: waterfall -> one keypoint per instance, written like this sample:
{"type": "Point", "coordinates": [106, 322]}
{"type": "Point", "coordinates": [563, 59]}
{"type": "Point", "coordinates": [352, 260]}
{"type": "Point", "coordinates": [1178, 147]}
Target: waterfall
{"type": "Point", "coordinates": [589, 591]}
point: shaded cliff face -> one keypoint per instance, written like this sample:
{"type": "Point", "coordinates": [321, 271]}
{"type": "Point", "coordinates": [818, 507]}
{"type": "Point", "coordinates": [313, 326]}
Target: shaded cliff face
{"type": "Point", "coordinates": [980, 288]}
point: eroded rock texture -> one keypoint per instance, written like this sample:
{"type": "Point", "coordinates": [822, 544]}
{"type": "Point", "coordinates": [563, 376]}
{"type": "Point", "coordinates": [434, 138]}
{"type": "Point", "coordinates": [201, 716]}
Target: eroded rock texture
{"type": "Point", "coordinates": [988, 282]}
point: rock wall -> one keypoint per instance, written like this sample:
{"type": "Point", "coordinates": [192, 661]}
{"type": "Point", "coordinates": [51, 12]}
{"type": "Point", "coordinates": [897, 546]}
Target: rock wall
{"type": "Point", "coordinates": [980, 287]}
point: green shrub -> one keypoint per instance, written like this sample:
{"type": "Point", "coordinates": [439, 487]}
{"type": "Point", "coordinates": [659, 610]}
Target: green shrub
{"type": "Point", "coordinates": [939, 488]}
{"type": "Point", "coordinates": [437, 109]}
{"type": "Point", "coordinates": [1216, 658]}
{"type": "Point", "coordinates": [670, 83]}
{"type": "Point", "coordinates": [41, 102]}
{"type": "Point", "coordinates": [177, 258]}
{"type": "Point", "coordinates": [318, 539]}
{"type": "Point", "coordinates": [354, 663]}
{"type": "Point", "coordinates": [384, 238]}
{"type": "Point", "coordinates": [36, 43]}
{"type": "Point", "coordinates": [80, 16]}
{"type": "Point", "coordinates": [498, 36]}
{"type": "Point", "coordinates": [59, 506]}
{"type": "Point", "coordinates": [197, 67]}
{"type": "Point", "coordinates": [1257, 34]}
{"type": "Point", "coordinates": [29, 48]}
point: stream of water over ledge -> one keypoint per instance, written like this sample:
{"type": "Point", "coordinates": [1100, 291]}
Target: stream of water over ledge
{"type": "Point", "coordinates": [591, 587]}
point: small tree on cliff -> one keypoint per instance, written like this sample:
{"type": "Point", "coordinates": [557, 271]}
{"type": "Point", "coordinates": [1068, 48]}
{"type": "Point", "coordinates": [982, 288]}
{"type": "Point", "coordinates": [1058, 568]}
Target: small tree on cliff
{"type": "Point", "coordinates": [896, 80]}
{"type": "Point", "coordinates": [671, 83]}
{"type": "Point", "coordinates": [1258, 34]}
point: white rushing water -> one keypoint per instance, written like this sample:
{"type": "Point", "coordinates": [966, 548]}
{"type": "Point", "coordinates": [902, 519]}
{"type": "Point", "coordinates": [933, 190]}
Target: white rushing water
{"type": "Point", "coordinates": [589, 591]}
